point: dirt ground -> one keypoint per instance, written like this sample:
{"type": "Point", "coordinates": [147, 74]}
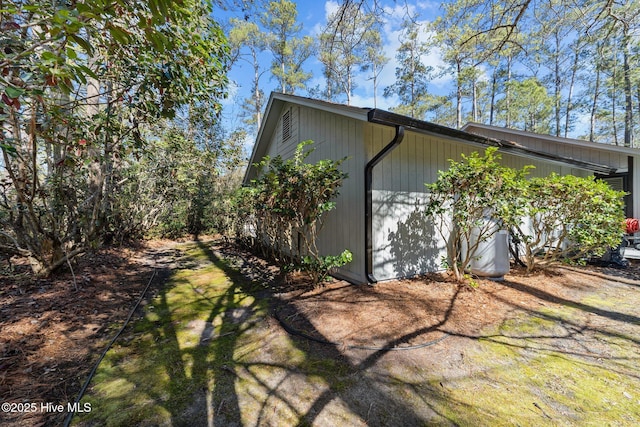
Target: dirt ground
{"type": "Point", "coordinates": [51, 333]}
{"type": "Point", "coordinates": [53, 330]}
{"type": "Point", "coordinates": [406, 314]}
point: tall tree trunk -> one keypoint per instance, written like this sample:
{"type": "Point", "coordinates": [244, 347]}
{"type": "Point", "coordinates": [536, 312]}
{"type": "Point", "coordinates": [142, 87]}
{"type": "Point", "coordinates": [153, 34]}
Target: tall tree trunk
{"type": "Point", "coordinates": [557, 82]}
{"type": "Point", "coordinates": [348, 87]}
{"type": "Point", "coordinates": [628, 115]}
{"type": "Point", "coordinates": [375, 84]}
{"type": "Point", "coordinates": [596, 93]}
{"type": "Point", "coordinates": [614, 98]}
{"type": "Point", "coordinates": [574, 72]}
{"type": "Point", "coordinates": [414, 101]}
{"type": "Point", "coordinates": [459, 95]}
{"type": "Point", "coordinates": [638, 98]}
{"type": "Point", "coordinates": [474, 101]}
{"type": "Point", "coordinates": [256, 89]}
{"type": "Point", "coordinates": [494, 85]}
{"type": "Point", "coordinates": [508, 94]}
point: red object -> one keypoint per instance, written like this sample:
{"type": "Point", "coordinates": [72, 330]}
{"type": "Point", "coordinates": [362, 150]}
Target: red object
{"type": "Point", "coordinates": [632, 225]}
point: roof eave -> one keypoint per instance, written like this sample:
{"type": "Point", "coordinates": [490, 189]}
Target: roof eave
{"type": "Point", "coordinates": [603, 146]}
{"type": "Point", "coordinates": [392, 119]}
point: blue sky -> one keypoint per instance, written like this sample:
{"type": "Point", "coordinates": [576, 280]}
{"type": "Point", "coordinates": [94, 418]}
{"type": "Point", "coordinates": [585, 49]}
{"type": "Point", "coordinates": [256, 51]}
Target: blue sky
{"type": "Point", "coordinates": [312, 15]}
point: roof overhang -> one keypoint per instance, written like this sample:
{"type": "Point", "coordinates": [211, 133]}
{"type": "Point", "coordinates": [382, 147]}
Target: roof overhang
{"type": "Point", "coordinates": [277, 102]}
{"type": "Point", "coordinates": [601, 146]}
{"type": "Point", "coordinates": [392, 119]}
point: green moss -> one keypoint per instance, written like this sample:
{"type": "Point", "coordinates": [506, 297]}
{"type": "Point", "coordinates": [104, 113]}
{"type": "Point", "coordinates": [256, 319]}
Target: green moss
{"type": "Point", "coordinates": [516, 378]}
{"type": "Point", "coordinates": [530, 326]}
{"type": "Point", "coordinates": [601, 302]}
{"type": "Point", "coordinates": [204, 337]}
{"type": "Point", "coordinates": [153, 374]}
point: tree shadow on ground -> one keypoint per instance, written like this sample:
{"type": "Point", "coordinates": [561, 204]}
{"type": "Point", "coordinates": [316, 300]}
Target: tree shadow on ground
{"type": "Point", "coordinates": [372, 403]}
{"type": "Point", "coordinates": [213, 368]}
{"type": "Point", "coordinates": [377, 401]}
{"type": "Point", "coordinates": [191, 382]}
{"type": "Point", "coordinates": [561, 334]}
{"type": "Point", "coordinates": [217, 374]}
{"type": "Point", "coordinates": [544, 296]}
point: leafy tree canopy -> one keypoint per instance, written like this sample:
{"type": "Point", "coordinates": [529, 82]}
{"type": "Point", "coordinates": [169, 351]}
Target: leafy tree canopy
{"type": "Point", "coordinates": [79, 82]}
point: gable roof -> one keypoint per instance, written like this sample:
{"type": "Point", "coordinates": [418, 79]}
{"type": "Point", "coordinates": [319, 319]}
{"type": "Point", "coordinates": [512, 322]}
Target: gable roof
{"type": "Point", "coordinates": [274, 107]}
{"type": "Point", "coordinates": [375, 115]}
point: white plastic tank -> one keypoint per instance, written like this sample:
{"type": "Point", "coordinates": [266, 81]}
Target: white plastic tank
{"type": "Point", "coordinates": [491, 257]}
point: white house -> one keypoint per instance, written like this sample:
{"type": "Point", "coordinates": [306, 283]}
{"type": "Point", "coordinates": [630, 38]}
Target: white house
{"type": "Point", "coordinates": [390, 157]}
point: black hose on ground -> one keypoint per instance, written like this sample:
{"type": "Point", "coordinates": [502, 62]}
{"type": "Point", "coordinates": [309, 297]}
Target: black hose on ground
{"type": "Point", "coordinates": [69, 417]}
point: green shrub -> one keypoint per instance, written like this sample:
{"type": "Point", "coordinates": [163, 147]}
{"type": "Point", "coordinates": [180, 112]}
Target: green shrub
{"type": "Point", "coordinates": [569, 218]}
{"type": "Point", "coordinates": [282, 211]}
{"type": "Point", "coordinates": [557, 218]}
{"type": "Point", "coordinates": [465, 195]}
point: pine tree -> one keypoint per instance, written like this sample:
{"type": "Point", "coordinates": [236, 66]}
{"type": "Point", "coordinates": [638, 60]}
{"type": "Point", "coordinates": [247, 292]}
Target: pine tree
{"type": "Point", "coordinates": [346, 45]}
{"type": "Point", "coordinates": [245, 35]}
{"type": "Point", "coordinates": [412, 75]}
{"type": "Point", "coordinates": [289, 50]}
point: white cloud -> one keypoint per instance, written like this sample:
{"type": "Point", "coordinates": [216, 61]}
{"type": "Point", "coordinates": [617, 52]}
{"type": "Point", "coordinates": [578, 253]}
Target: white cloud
{"type": "Point", "coordinates": [330, 7]}
{"type": "Point", "coordinates": [396, 14]}
{"type": "Point", "coordinates": [432, 7]}
{"type": "Point", "coordinates": [581, 126]}
{"type": "Point", "coordinates": [232, 91]}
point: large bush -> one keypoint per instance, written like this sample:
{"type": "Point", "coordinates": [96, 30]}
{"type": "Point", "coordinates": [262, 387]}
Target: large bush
{"type": "Point", "coordinates": [282, 211]}
{"type": "Point", "coordinates": [568, 218]}
{"type": "Point", "coordinates": [178, 186]}
{"type": "Point", "coordinates": [552, 219]}
{"type": "Point", "coordinates": [465, 195]}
